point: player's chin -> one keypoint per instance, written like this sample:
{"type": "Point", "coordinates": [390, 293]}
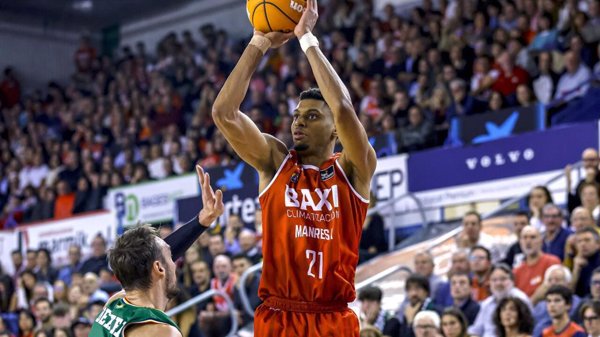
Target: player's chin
{"type": "Point", "coordinates": [300, 146]}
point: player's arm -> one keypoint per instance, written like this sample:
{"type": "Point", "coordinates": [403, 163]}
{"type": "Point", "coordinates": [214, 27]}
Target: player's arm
{"type": "Point", "coordinates": [357, 151]}
{"type": "Point", "coordinates": [152, 329]}
{"type": "Point", "coordinates": [212, 207]}
{"type": "Point", "coordinates": [257, 149]}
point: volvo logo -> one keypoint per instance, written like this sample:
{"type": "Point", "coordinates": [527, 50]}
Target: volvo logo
{"type": "Point", "coordinates": [500, 159]}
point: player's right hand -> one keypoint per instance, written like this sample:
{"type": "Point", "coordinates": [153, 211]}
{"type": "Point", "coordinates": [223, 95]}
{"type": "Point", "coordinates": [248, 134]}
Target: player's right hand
{"type": "Point", "coordinates": [277, 39]}
{"type": "Point", "coordinates": [212, 202]}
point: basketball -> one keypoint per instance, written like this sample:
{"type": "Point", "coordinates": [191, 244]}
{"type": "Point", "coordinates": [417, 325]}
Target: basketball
{"type": "Point", "coordinates": [275, 15]}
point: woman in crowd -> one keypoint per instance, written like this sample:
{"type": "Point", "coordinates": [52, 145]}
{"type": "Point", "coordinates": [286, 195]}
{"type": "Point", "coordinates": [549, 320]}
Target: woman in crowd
{"type": "Point", "coordinates": [513, 318]}
{"type": "Point", "coordinates": [590, 314]}
{"type": "Point", "coordinates": [454, 323]}
{"type": "Point", "coordinates": [536, 200]}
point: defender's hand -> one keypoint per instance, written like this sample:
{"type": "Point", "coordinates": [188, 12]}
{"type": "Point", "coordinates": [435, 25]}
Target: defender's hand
{"type": "Point", "coordinates": [308, 20]}
{"type": "Point", "coordinates": [212, 201]}
{"type": "Point", "coordinates": [277, 39]}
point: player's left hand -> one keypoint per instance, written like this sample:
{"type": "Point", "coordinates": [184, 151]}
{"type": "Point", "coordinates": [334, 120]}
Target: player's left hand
{"type": "Point", "coordinates": [308, 20]}
{"type": "Point", "coordinates": [212, 201]}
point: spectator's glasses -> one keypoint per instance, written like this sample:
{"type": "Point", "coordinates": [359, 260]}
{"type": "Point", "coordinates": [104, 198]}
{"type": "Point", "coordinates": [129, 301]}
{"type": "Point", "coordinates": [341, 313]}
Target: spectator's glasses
{"type": "Point", "coordinates": [590, 318]}
{"type": "Point", "coordinates": [596, 282]}
{"type": "Point", "coordinates": [552, 216]}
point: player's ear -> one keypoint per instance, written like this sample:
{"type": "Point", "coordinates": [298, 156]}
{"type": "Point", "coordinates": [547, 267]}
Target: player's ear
{"type": "Point", "coordinates": [158, 268]}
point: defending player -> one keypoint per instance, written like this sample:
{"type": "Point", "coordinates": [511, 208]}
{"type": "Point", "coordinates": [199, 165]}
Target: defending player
{"type": "Point", "coordinates": [144, 265]}
{"type": "Point", "coordinates": [314, 202]}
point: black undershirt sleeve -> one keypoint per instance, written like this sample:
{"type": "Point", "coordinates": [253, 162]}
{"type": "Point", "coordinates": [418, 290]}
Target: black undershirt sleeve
{"type": "Point", "coordinates": [183, 238]}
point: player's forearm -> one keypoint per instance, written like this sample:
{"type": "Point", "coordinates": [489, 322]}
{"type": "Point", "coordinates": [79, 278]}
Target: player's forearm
{"type": "Point", "coordinates": [183, 238]}
{"type": "Point", "coordinates": [333, 89]}
{"type": "Point", "coordinates": [234, 90]}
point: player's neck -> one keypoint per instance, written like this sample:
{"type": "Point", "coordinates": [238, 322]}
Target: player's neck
{"type": "Point", "coordinates": [151, 298]}
{"type": "Point", "coordinates": [314, 159]}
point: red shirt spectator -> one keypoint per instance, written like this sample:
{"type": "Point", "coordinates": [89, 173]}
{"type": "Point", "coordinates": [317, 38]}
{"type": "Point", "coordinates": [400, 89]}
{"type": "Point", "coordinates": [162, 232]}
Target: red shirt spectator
{"type": "Point", "coordinates": [84, 56]}
{"type": "Point", "coordinates": [63, 206]}
{"type": "Point", "coordinates": [507, 75]}
{"type": "Point", "coordinates": [10, 89]}
{"type": "Point", "coordinates": [529, 277]}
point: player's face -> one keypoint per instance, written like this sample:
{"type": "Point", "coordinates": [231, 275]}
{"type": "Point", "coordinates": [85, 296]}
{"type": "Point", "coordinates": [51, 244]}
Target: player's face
{"type": "Point", "coordinates": [312, 125]}
{"type": "Point", "coordinates": [171, 278]}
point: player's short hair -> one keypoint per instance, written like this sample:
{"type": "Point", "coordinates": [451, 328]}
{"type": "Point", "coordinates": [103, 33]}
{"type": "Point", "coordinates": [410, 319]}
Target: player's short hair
{"type": "Point", "coordinates": [312, 93]}
{"type": "Point", "coordinates": [418, 281]}
{"type": "Point", "coordinates": [370, 294]}
{"type": "Point", "coordinates": [133, 255]}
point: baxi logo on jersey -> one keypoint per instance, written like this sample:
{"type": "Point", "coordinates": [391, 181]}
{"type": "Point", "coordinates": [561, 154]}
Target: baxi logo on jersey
{"type": "Point", "coordinates": [318, 205]}
{"type": "Point", "coordinates": [291, 198]}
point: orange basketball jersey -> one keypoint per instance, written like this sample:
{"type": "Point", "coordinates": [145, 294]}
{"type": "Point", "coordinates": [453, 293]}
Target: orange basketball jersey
{"type": "Point", "coordinates": [312, 222]}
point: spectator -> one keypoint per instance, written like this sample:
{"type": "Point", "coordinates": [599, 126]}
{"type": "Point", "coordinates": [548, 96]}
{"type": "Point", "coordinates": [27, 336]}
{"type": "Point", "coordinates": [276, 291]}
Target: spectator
{"type": "Point", "coordinates": [574, 83]}
{"type": "Point", "coordinates": [555, 275]}
{"type": "Point", "coordinates": [507, 75]}
{"type": "Point", "coordinates": [497, 102]}
{"type": "Point", "coordinates": [481, 267]}
{"type": "Point", "coordinates": [525, 96]}
{"type": "Point", "coordinates": [417, 300]}
{"type": "Point", "coordinates": [247, 240]}
{"type": "Point", "coordinates": [31, 259]}
{"type": "Point", "coordinates": [215, 319]}
{"type": "Point", "coordinates": [424, 266]}
{"type": "Point", "coordinates": [74, 265]}
{"type": "Point", "coordinates": [501, 284]}
{"type": "Point", "coordinates": [587, 260]}
{"type": "Point", "coordinates": [454, 323]}
{"type": "Point", "coordinates": [23, 294]}
{"type": "Point", "coordinates": [10, 89]}
{"type": "Point", "coordinates": [426, 324]}
{"type": "Point", "coordinates": [43, 313]}
{"type": "Point", "coordinates": [547, 36]}
{"type": "Point", "coordinates": [372, 240]}
{"type": "Point", "coordinates": [464, 104]}
{"type": "Point", "coordinates": [536, 200]}
{"type": "Point", "coordinates": [530, 274]}
{"type": "Point", "coordinates": [472, 235]}
{"type": "Point", "coordinates": [98, 260]}
{"type": "Point", "coordinates": [514, 255]}
{"type": "Point", "coordinates": [590, 199]}
{"type": "Point", "coordinates": [460, 264]}
{"type": "Point", "coordinates": [6, 291]}
{"type": "Point", "coordinates": [65, 201]}
{"type": "Point", "coordinates": [59, 290]}
{"type": "Point", "coordinates": [91, 288]}
{"type": "Point", "coordinates": [555, 237]}
{"type": "Point", "coordinates": [216, 246]}
{"type": "Point", "coordinates": [44, 270]}
{"type": "Point", "coordinates": [590, 160]}
{"type": "Point", "coordinates": [26, 323]}
{"type": "Point", "coordinates": [81, 327]}
{"type": "Point", "coordinates": [544, 84]}
{"type": "Point", "coordinates": [371, 313]}
{"type": "Point", "coordinates": [590, 313]}
{"type": "Point", "coordinates": [513, 317]}
{"type": "Point", "coordinates": [462, 296]}
{"type": "Point", "coordinates": [201, 279]}
{"type": "Point", "coordinates": [185, 320]}
{"type": "Point", "coordinates": [84, 56]}
{"type": "Point", "coordinates": [17, 261]}
{"type": "Point", "coordinates": [418, 134]}
{"type": "Point", "coordinates": [241, 263]}
{"type": "Point", "coordinates": [559, 300]}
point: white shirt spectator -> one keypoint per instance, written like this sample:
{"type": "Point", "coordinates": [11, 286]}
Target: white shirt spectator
{"type": "Point", "coordinates": [484, 323]}
{"type": "Point", "coordinates": [571, 86]}
{"type": "Point", "coordinates": [543, 87]}
{"type": "Point", "coordinates": [156, 168]}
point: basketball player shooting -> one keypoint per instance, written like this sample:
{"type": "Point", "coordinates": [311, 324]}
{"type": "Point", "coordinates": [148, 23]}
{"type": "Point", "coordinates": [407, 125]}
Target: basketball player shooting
{"type": "Point", "coordinates": [314, 202]}
{"type": "Point", "coordinates": [143, 263]}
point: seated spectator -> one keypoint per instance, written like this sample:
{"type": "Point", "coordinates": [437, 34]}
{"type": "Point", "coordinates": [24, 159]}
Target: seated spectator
{"type": "Point", "coordinates": [44, 270]}
{"type": "Point", "coordinates": [23, 294]}
{"type": "Point", "coordinates": [91, 288]}
{"type": "Point", "coordinates": [418, 134]}
{"type": "Point", "coordinates": [589, 194]}
{"type": "Point", "coordinates": [481, 268]}
{"type": "Point", "coordinates": [454, 323]}
{"type": "Point", "coordinates": [201, 281]}
{"type": "Point", "coordinates": [459, 264]}
{"type": "Point", "coordinates": [525, 96]}
{"type": "Point", "coordinates": [590, 160]}
{"type": "Point", "coordinates": [462, 296]}
{"type": "Point", "coordinates": [514, 255]}
{"type": "Point", "coordinates": [502, 285]}
{"type": "Point", "coordinates": [574, 83]}
{"type": "Point", "coordinates": [81, 327]}
{"type": "Point", "coordinates": [61, 318]}
{"type": "Point", "coordinates": [555, 275]}
{"type": "Point", "coordinates": [530, 274]}
{"type": "Point", "coordinates": [216, 319]}
{"type": "Point", "coordinates": [216, 246]}
{"type": "Point", "coordinates": [17, 261]}
{"type": "Point", "coordinates": [98, 260]}
{"type": "Point", "coordinates": [185, 320]}
{"type": "Point", "coordinates": [547, 36]}
{"type": "Point", "coordinates": [43, 313]}
{"type": "Point", "coordinates": [507, 75]}
{"type": "Point", "coordinates": [590, 314]}
{"type": "Point", "coordinates": [74, 265]}
{"type": "Point", "coordinates": [587, 259]}
{"type": "Point", "coordinates": [426, 324]}
{"type": "Point", "coordinates": [372, 240]}
{"type": "Point", "coordinates": [26, 323]}
{"type": "Point", "coordinates": [512, 317]}
{"type": "Point", "coordinates": [559, 301]}
{"type": "Point", "coordinates": [424, 266]}
{"type": "Point", "coordinates": [247, 240]}
{"type": "Point", "coordinates": [241, 263]}
{"type": "Point", "coordinates": [536, 200]}
{"type": "Point", "coordinates": [555, 236]}
{"type": "Point", "coordinates": [371, 313]}
{"type": "Point", "coordinates": [497, 102]}
{"type": "Point", "coordinates": [544, 84]}
{"type": "Point", "coordinates": [463, 103]}
{"type": "Point", "coordinates": [417, 300]}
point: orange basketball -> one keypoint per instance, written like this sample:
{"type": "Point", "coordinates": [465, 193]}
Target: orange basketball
{"type": "Point", "coordinates": [275, 15]}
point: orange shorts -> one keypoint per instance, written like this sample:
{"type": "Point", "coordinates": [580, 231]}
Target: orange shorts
{"type": "Point", "coordinates": [283, 318]}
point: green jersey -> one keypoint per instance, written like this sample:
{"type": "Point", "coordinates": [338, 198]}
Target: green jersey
{"type": "Point", "coordinates": [119, 315]}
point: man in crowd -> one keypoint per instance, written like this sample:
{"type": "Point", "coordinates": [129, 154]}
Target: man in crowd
{"type": "Point", "coordinates": [555, 237]}
{"type": "Point", "coordinates": [559, 300]}
{"type": "Point", "coordinates": [462, 296]}
{"type": "Point", "coordinates": [587, 259]}
{"type": "Point", "coordinates": [424, 266]}
{"type": "Point", "coordinates": [514, 255]}
{"type": "Point", "coordinates": [481, 267]}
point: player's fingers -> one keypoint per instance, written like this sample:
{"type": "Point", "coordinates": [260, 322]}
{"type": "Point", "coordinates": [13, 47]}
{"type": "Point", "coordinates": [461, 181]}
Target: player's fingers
{"type": "Point", "coordinates": [200, 173]}
{"type": "Point", "coordinates": [218, 199]}
{"type": "Point", "coordinates": [207, 188]}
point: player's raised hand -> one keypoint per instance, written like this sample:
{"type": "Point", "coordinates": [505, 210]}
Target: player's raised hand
{"type": "Point", "coordinates": [277, 38]}
{"type": "Point", "coordinates": [308, 20]}
{"type": "Point", "coordinates": [212, 201]}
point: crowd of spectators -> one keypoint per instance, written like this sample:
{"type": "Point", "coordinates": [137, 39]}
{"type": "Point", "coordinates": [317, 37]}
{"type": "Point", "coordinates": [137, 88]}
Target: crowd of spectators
{"type": "Point", "coordinates": [546, 283]}
{"type": "Point", "coordinates": [141, 116]}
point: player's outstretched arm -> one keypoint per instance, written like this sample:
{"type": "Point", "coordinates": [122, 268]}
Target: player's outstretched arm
{"type": "Point", "coordinates": [212, 208]}
{"type": "Point", "coordinates": [357, 149]}
{"type": "Point", "coordinates": [249, 143]}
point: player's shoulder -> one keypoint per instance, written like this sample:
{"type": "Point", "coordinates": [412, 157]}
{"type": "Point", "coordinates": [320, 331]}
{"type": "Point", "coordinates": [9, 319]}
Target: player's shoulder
{"type": "Point", "coordinates": [278, 152]}
{"type": "Point", "coordinates": [152, 329]}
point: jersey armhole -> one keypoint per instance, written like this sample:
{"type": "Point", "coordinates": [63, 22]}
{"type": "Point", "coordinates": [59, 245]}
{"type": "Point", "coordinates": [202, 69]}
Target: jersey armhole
{"type": "Point", "coordinates": [148, 321]}
{"type": "Point", "coordinates": [360, 197]}
{"type": "Point", "coordinates": [275, 176]}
